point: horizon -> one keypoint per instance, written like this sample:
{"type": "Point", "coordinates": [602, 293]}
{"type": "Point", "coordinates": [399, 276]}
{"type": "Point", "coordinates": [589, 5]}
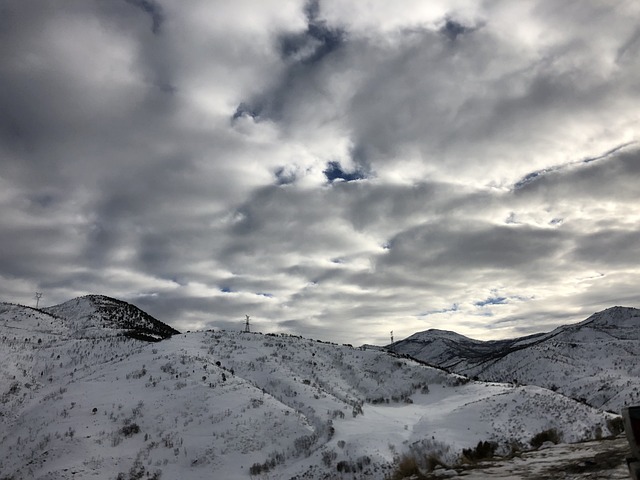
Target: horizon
{"type": "Point", "coordinates": [231, 326]}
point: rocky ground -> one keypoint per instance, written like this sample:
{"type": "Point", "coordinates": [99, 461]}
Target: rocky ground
{"type": "Point", "coordinates": [604, 459]}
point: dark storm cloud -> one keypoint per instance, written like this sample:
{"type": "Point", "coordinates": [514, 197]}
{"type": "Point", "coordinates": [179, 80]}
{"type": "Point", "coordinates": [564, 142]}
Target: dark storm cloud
{"type": "Point", "coordinates": [153, 10]}
{"type": "Point", "coordinates": [473, 246]}
{"type": "Point", "coordinates": [28, 250]}
{"type": "Point", "coordinates": [312, 45]}
{"type": "Point", "coordinates": [303, 53]}
{"type": "Point", "coordinates": [609, 248]}
{"type": "Point", "coordinates": [452, 29]}
{"type": "Point", "coordinates": [329, 169]}
{"type": "Point", "coordinates": [632, 42]}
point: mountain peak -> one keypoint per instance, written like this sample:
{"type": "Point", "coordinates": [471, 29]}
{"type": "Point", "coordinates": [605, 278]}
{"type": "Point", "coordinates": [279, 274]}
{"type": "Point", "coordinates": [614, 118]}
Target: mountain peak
{"type": "Point", "coordinates": [614, 317]}
{"type": "Point", "coordinates": [95, 315]}
{"type": "Point", "coordinates": [436, 333]}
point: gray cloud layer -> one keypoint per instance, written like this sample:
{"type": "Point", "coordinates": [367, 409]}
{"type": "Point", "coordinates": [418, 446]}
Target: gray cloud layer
{"type": "Point", "coordinates": [330, 170]}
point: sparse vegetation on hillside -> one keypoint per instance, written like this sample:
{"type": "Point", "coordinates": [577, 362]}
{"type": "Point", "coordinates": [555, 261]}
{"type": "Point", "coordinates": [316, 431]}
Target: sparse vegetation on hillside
{"type": "Point", "coordinates": [233, 404]}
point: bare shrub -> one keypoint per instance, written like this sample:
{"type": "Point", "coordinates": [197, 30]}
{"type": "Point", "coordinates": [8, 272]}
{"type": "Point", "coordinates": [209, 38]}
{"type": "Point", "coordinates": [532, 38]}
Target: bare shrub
{"type": "Point", "coordinates": [129, 430]}
{"type": "Point", "coordinates": [615, 425]}
{"type": "Point", "coordinates": [551, 435]}
{"type": "Point", "coordinates": [482, 451]}
{"type": "Point", "coordinates": [407, 467]}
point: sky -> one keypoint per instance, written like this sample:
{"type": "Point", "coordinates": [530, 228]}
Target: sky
{"type": "Point", "coordinates": [334, 169]}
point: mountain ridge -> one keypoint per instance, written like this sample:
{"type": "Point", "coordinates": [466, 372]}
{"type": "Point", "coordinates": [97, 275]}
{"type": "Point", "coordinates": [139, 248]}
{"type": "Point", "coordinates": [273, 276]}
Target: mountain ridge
{"type": "Point", "coordinates": [598, 354]}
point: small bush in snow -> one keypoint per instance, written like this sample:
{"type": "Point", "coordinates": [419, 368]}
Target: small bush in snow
{"type": "Point", "coordinates": [615, 426]}
{"type": "Point", "coordinates": [303, 444]}
{"type": "Point", "coordinates": [550, 435]}
{"type": "Point", "coordinates": [255, 469]}
{"type": "Point", "coordinates": [407, 468]}
{"type": "Point", "coordinates": [482, 451]}
{"type": "Point", "coordinates": [129, 430]}
{"type": "Point", "coordinates": [328, 456]}
{"type": "Point", "coordinates": [337, 414]}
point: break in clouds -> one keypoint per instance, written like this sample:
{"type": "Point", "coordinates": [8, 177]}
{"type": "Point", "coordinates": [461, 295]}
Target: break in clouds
{"type": "Point", "coordinates": [334, 169]}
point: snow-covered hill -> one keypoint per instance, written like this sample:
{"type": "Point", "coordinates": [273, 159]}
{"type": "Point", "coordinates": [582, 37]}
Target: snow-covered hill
{"type": "Point", "coordinates": [77, 404]}
{"type": "Point", "coordinates": [596, 361]}
{"type": "Point", "coordinates": [95, 315]}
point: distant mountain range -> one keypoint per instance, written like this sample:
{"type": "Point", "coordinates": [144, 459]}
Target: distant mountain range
{"type": "Point", "coordinates": [596, 361]}
{"type": "Point", "coordinates": [85, 394]}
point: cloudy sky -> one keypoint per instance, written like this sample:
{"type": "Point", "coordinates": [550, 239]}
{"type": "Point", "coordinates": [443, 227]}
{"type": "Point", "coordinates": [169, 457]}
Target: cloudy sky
{"type": "Point", "coordinates": [332, 168]}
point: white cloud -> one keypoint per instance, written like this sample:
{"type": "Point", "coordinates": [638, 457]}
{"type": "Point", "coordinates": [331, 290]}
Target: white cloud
{"type": "Point", "coordinates": [382, 18]}
{"type": "Point", "coordinates": [179, 156]}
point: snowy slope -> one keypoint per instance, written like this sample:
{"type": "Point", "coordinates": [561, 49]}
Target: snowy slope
{"type": "Point", "coordinates": [595, 361]}
{"type": "Point", "coordinates": [227, 404]}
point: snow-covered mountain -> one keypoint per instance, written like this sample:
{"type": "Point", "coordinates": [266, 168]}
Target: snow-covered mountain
{"type": "Point", "coordinates": [95, 315]}
{"type": "Point", "coordinates": [596, 360]}
{"type": "Point", "coordinates": [75, 403]}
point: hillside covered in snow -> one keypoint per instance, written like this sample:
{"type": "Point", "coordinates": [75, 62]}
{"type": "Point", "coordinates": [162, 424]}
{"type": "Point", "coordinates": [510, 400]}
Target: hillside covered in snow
{"type": "Point", "coordinates": [596, 361]}
{"type": "Point", "coordinates": [80, 397]}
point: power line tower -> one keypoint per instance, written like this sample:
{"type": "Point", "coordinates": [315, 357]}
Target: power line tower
{"type": "Point", "coordinates": [38, 297]}
{"type": "Point", "coordinates": [391, 336]}
{"type": "Point", "coordinates": [246, 325]}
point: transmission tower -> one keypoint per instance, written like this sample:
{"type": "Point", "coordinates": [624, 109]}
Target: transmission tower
{"type": "Point", "coordinates": [246, 325]}
{"type": "Point", "coordinates": [38, 296]}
